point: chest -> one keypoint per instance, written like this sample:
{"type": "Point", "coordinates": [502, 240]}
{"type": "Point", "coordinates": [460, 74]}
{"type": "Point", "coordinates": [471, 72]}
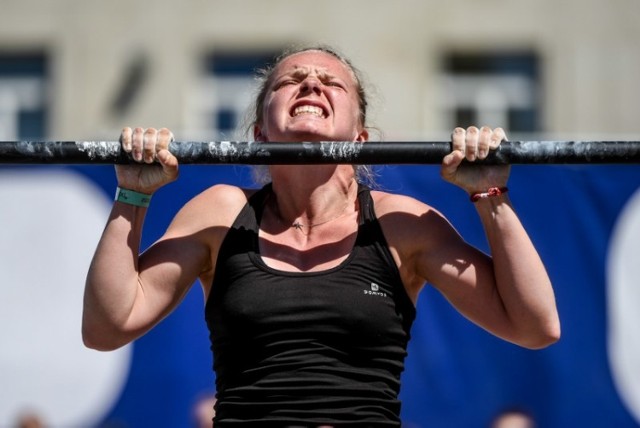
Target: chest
{"type": "Point", "coordinates": [305, 249]}
{"type": "Point", "coordinates": [359, 301]}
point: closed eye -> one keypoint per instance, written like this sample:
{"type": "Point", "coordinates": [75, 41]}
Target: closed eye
{"type": "Point", "coordinates": [285, 82]}
{"type": "Point", "coordinates": [334, 84]}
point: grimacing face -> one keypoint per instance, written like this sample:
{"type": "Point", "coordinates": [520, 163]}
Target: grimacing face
{"type": "Point", "coordinates": [311, 96]}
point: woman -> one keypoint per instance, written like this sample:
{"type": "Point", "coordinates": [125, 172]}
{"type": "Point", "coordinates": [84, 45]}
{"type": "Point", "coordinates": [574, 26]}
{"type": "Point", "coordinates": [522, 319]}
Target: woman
{"type": "Point", "coordinates": [311, 282]}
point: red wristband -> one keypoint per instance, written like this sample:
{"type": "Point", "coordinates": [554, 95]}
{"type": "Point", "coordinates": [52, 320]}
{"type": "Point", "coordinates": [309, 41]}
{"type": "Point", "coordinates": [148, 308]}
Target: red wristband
{"type": "Point", "coordinates": [491, 191]}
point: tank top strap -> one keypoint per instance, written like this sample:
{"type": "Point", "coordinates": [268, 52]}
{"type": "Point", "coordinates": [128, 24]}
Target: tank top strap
{"type": "Point", "coordinates": [256, 204]}
{"type": "Point", "coordinates": [370, 231]}
{"type": "Point", "coordinates": [366, 205]}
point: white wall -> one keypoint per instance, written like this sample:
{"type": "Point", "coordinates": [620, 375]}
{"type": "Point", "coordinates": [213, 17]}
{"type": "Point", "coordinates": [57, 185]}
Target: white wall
{"type": "Point", "coordinates": [589, 52]}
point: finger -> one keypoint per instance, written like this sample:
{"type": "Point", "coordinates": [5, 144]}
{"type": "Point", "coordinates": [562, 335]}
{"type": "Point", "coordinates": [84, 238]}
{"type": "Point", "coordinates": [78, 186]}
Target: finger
{"type": "Point", "coordinates": [484, 142]}
{"type": "Point", "coordinates": [457, 139]}
{"type": "Point", "coordinates": [165, 136]}
{"type": "Point", "coordinates": [450, 164]}
{"type": "Point", "coordinates": [498, 136]}
{"type": "Point", "coordinates": [169, 163]}
{"type": "Point", "coordinates": [137, 141]}
{"type": "Point", "coordinates": [149, 148]}
{"type": "Point", "coordinates": [471, 143]}
{"type": "Point", "coordinates": [125, 139]}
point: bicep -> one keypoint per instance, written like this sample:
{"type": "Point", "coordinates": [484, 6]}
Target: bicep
{"type": "Point", "coordinates": [428, 249]}
{"type": "Point", "coordinates": [173, 264]}
{"type": "Point", "coordinates": [187, 251]}
{"type": "Point", "coordinates": [463, 274]}
{"type": "Point", "coordinates": [170, 266]}
{"type": "Point", "coordinates": [166, 271]}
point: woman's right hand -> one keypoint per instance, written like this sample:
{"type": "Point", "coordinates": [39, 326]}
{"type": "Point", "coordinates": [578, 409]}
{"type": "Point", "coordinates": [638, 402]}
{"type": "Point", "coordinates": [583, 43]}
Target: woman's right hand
{"type": "Point", "coordinates": [155, 166]}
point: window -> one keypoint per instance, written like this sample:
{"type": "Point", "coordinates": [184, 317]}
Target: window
{"type": "Point", "coordinates": [226, 92]}
{"type": "Point", "coordinates": [22, 96]}
{"type": "Point", "coordinates": [494, 89]}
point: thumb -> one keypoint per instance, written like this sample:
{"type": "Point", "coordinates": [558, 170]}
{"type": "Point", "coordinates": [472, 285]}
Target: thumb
{"type": "Point", "coordinates": [450, 164]}
{"type": "Point", "coordinates": [169, 163]}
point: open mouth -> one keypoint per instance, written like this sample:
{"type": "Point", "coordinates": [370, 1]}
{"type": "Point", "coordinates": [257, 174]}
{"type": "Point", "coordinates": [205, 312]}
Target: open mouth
{"type": "Point", "coordinates": [308, 109]}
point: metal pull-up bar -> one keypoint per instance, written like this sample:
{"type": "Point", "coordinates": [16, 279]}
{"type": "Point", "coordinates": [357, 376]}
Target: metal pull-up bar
{"type": "Point", "coordinates": [328, 152]}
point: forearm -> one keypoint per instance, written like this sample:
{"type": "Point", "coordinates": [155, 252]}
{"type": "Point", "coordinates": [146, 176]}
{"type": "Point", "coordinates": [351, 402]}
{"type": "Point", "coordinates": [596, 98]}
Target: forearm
{"type": "Point", "coordinates": [112, 281]}
{"type": "Point", "coordinates": [521, 279]}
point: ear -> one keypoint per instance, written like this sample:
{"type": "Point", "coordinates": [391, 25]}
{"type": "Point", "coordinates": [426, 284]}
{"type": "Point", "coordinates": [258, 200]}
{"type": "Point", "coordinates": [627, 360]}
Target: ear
{"type": "Point", "coordinates": [258, 135]}
{"type": "Point", "coordinates": [362, 136]}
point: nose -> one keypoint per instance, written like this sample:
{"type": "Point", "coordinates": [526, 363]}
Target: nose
{"type": "Point", "coordinates": [311, 84]}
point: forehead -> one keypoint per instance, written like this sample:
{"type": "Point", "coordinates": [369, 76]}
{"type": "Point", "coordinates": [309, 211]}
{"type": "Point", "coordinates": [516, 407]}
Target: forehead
{"type": "Point", "coordinates": [314, 61]}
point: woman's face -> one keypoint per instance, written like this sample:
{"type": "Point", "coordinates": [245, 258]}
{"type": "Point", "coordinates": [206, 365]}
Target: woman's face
{"type": "Point", "coordinates": [312, 96]}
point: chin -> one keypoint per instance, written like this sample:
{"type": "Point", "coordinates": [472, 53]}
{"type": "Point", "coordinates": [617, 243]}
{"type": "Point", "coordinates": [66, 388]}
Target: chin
{"type": "Point", "coordinates": [307, 135]}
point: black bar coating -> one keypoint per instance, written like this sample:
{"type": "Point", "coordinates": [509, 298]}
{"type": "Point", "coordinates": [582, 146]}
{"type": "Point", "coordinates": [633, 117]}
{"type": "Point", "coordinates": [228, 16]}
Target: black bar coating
{"type": "Point", "coordinates": [328, 152]}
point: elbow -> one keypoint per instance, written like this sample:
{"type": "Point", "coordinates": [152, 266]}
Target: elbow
{"type": "Point", "coordinates": [101, 340]}
{"type": "Point", "coordinates": [98, 345]}
{"type": "Point", "coordinates": [543, 338]}
{"type": "Point", "coordinates": [541, 342]}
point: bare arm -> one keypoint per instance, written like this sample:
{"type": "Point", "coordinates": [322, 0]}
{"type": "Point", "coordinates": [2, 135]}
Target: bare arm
{"type": "Point", "coordinates": [521, 280]}
{"type": "Point", "coordinates": [509, 293]}
{"type": "Point", "coordinates": [127, 294]}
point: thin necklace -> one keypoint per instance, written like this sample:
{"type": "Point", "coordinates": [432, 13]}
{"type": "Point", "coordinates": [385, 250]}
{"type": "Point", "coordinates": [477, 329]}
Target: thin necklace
{"type": "Point", "coordinates": [301, 226]}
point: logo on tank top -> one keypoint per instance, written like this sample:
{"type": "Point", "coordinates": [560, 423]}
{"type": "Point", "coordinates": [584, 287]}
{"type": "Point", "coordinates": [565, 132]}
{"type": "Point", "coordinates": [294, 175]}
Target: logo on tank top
{"type": "Point", "coordinates": [375, 291]}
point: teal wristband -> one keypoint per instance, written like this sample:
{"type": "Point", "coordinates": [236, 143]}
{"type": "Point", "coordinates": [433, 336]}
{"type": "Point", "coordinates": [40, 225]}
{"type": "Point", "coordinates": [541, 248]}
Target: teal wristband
{"type": "Point", "coordinates": [132, 197]}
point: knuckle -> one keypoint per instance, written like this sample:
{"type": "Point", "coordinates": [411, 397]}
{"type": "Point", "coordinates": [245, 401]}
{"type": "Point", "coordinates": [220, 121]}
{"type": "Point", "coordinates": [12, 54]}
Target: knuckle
{"type": "Point", "coordinates": [165, 133]}
{"type": "Point", "coordinates": [498, 135]}
{"type": "Point", "coordinates": [149, 142]}
{"type": "Point", "coordinates": [458, 137]}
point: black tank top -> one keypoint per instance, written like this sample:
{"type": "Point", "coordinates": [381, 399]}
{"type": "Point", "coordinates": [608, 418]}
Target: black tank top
{"type": "Point", "coordinates": [303, 349]}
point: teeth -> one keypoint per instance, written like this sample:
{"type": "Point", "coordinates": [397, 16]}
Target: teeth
{"type": "Point", "coordinates": [317, 111]}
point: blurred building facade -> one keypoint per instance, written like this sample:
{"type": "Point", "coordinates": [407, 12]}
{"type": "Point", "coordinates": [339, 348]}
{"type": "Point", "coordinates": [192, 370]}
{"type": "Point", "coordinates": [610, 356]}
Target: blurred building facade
{"type": "Point", "coordinates": [83, 69]}
{"type": "Point", "coordinates": [73, 69]}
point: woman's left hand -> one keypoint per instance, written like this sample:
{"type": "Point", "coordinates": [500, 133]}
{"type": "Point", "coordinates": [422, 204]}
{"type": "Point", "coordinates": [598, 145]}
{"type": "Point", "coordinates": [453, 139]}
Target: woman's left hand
{"type": "Point", "coordinates": [474, 144]}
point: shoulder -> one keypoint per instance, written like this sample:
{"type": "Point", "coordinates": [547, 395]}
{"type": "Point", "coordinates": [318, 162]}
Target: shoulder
{"type": "Point", "coordinates": [392, 203]}
{"type": "Point", "coordinates": [409, 224]}
{"type": "Point", "coordinates": [419, 237]}
{"type": "Point", "coordinates": [222, 195]}
{"type": "Point", "coordinates": [218, 205]}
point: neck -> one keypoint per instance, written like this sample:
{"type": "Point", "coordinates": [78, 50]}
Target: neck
{"type": "Point", "coordinates": [312, 195]}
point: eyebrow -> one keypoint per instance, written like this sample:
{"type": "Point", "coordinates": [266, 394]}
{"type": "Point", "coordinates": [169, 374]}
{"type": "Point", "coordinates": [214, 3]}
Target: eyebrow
{"type": "Point", "coordinates": [299, 72]}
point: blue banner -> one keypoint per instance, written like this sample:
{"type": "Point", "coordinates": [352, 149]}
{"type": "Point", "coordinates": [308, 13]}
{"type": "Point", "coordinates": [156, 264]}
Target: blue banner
{"type": "Point", "coordinates": [584, 220]}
